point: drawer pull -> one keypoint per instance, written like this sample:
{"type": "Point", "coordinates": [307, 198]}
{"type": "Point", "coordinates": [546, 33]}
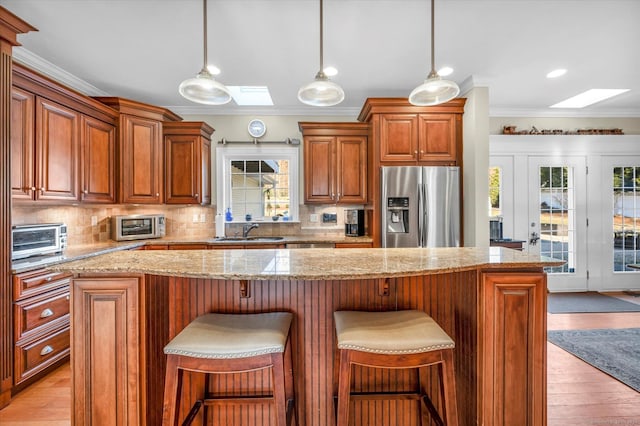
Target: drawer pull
{"type": "Point", "coordinates": [49, 278]}
{"type": "Point", "coordinates": [46, 350]}
{"type": "Point", "coordinates": [46, 313]}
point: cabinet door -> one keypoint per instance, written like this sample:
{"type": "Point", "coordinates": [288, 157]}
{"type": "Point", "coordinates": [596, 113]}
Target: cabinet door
{"type": "Point", "coordinates": [351, 169]}
{"type": "Point", "coordinates": [437, 139]}
{"type": "Point", "coordinates": [141, 155]}
{"type": "Point", "coordinates": [319, 186]}
{"type": "Point", "coordinates": [514, 313]}
{"type": "Point", "coordinates": [398, 137]}
{"type": "Point", "coordinates": [106, 347]}
{"type": "Point", "coordinates": [97, 163]}
{"type": "Point", "coordinates": [56, 151]}
{"type": "Point", "coordinates": [183, 171]}
{"type": "Point", "coordinates": [22, 144]}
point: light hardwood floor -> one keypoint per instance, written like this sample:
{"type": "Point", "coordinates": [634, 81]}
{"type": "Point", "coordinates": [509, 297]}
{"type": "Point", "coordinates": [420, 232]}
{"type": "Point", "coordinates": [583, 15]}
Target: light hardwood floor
{"type": "Point", "coordinates": [578, 394]}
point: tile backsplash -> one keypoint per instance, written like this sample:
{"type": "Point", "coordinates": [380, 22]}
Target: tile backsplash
{"type": "Point", "coordinates": [92, 224]}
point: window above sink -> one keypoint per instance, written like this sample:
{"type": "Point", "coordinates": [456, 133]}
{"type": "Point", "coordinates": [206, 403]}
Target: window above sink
{"type": "Point", "coordinates": [259, 183]}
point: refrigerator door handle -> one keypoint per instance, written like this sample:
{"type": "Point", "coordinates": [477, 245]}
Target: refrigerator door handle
{"type": "Point", "coordinates": [420, 215]}
{"type": "Point", "coordinates": [425, 215]}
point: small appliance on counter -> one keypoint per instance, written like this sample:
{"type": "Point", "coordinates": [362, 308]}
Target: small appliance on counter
{"type": "Point", "coordinates": [137, 227]}
{"type": "Point", "coordinates": [495, 228]}
{"type": "Point", "coordinates": [354, 223]}
{"type": "Point", "coordinates": [37, 240]}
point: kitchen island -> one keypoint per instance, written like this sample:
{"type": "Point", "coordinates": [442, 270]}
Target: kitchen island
{"type": "Point", "coordinates": [127, 305]}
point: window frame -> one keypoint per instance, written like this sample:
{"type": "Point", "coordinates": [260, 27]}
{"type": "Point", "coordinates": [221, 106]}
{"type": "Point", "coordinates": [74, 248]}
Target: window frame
{"type": "Point", "coordinates": [226, 154]}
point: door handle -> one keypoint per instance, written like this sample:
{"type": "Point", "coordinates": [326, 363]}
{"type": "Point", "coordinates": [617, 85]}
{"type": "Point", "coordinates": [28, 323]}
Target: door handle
{"type": "Point", "coordinates": [533, 240]}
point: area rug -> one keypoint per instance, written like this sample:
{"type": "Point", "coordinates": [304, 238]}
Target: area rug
{"type": "Point", "coordinates": [614, 351]}
{"type": "Point", "coordinates": [562, 303]}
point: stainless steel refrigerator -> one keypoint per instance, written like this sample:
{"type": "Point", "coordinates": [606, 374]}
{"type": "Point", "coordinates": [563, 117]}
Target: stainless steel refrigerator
{"type": "Point", "coordinates": [420, 206]}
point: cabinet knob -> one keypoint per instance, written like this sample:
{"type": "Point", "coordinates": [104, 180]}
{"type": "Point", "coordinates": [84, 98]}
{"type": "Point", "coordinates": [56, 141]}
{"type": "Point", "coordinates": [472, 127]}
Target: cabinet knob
{"type": "Point", "coordinates": [46, 313]}
{"type": "Point", "coordinates": [48, 278]}
{"type": "Point", "coordinates": [196, 196]}
{"type": "Point", "coordinates": [33, 188]}
{"type": "Point", "coordinates": [46, 350]}
{"type": "Point", "coordinates": [415, 152]}
{"type": "Point", "coordinates": [86, 192]}
{"type": "Point", "coordinates": [157, 194]}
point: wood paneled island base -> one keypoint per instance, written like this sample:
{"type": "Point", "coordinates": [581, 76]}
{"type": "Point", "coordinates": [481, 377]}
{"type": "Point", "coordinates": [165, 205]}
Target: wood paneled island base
{"type": "Point", "coordinates": [494, 311]}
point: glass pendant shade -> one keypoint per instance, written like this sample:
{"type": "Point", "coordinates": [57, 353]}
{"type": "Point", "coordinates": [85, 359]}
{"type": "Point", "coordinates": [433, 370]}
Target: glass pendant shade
{"type": "Point", "coordinates": [434, 91]}
{"type": "Point", "coordinates": [204, 89]}
{"type": "Point", "coordinates": [321, 92]}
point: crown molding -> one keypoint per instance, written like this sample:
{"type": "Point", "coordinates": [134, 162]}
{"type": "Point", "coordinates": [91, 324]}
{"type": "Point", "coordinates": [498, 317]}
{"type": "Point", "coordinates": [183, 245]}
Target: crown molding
{"type": "Point", "coordinates": [36, 63]}
{"type": "Point", "coordinates": [562, 113]}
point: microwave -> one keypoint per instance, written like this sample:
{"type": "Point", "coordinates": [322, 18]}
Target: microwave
{"type": "Point", "coordinates": [38, 240]}
{"type": "Point", "coordinates": [137, 227]}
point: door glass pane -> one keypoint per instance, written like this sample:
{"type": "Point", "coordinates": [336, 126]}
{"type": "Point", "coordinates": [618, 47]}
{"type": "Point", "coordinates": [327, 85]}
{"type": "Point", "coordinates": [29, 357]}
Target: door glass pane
{"type": "Point", "coordinates": [557, 216]}
{"type": "Point", "coordinates": [626, 211]}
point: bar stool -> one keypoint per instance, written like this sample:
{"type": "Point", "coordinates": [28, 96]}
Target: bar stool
{"type": "Point", "coordinates": [231, 343]}
{"type": "Point", "coordinates": [397, 340]}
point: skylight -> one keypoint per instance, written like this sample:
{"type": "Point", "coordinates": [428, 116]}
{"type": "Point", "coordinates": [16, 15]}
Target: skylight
{"type": "Point", "coordinates": [589, 97]}
{"type": "Point", "coordinates": [251, 95]}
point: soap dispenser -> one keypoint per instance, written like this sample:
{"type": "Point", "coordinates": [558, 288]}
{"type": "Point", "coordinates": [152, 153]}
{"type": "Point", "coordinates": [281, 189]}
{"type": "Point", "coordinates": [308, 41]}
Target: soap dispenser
{"type": "Point", "coordinates": [228, 215]}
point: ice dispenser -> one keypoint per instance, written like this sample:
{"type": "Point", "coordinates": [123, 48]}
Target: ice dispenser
{"type": "Point", "coordinates": [398, 215]}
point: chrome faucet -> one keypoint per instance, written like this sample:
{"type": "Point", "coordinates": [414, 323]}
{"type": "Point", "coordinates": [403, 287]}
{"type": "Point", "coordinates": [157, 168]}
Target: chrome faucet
{"type": "Point", "coordinates": [247, 227]}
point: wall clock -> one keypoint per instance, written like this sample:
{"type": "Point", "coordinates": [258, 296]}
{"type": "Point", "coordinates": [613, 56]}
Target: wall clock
{"type": "Point", "coordinates": [257, 128]}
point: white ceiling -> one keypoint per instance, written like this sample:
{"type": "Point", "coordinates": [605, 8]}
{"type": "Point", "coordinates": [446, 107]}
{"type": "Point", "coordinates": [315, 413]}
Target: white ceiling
{"type": "Point", "coordinates": [143, 49]}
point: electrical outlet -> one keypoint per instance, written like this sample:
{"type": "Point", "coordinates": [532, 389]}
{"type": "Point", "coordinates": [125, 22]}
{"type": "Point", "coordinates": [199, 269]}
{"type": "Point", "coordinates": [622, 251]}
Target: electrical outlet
{"type": "Point", "coordinates": [202, 217]}
{"type": "Point", "coordinates": [94, 220]}
{"type": "Point", "coordinates": [313, 218]}
{"type": "Point", "coordinates": [195, 217]}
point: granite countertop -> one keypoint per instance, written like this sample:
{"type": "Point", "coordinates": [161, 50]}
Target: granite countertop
{"type": "Point", "coordinates": [89, 250]}
{"type": "Point", "coordinates": [317, 264]}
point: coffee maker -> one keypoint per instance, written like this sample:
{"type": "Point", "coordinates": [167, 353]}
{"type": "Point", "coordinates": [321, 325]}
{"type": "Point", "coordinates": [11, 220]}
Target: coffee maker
{"type": "Point", "coordinates": [354, 223]}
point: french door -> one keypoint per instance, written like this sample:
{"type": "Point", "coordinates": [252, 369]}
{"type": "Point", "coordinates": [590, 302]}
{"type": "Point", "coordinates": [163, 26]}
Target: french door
{"type": "Point", "coordinates": [557, 218]}
{"type": "Point", "coordinates": [620, 243]}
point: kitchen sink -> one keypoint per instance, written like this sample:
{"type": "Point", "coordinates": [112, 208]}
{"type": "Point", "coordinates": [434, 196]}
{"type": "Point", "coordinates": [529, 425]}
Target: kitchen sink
{"type": "Point", "coordinates": [254, 239]}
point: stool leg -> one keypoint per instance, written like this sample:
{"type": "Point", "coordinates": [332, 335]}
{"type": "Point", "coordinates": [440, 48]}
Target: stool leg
{"type": "Point", "coordinates": [279, 392]}
{"type": "Point", "coordinates": [172, 390]}
{"type": "Point", "coordinates": [344, 388]}
{"type": "Point", "coordinates": [448, 383]}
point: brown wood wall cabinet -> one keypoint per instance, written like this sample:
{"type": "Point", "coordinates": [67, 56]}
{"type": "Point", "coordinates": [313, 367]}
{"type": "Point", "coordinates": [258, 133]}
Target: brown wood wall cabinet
{"type": "Point", "coordinates": [187, 153]}
{"type": "Point", "coordinates": [402, 134]}
{"type": "Point", "coordinates": [10, 27]}
{"type": "Point", "coordinates": [64, 143]}
{"type": "Point", "coordinates": [140, 150]}
{"type": "Point", "coordinates": [335, 162]}
{"type": "Point", "coordinates": [496, 319]}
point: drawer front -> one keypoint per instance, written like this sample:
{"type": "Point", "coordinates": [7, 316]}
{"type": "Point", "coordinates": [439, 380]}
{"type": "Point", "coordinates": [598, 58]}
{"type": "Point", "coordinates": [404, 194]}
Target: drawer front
{"type": "Point", "coordinates": [35, 282]}
{"type": "Point", "coordinates": [36, 312]}
{"type": "Point", "coordinates": [34, 356]}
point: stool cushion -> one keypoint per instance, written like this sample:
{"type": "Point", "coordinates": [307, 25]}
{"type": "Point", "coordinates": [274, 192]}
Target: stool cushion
{"type": "Point", "coordinates": [393, 332]}
{"type": "Point", "coordinates": [224, 336]}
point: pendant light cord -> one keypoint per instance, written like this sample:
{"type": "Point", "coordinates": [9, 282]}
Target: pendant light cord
{"type": "Point", "coordinates": [204, 26]}
{"type": "Point", "coordinates": [321, 39]}
{"type": "Point", "coordinates": [433, 56]}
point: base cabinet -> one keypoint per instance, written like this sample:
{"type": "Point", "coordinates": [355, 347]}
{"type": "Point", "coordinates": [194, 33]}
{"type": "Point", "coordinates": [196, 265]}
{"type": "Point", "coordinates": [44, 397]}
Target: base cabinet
{"type": "Point", "coordinates": [40, 324]}
{"type": "Point", "coordinates": [107, 379]}
{"type": "Point", "coordinates": [514, 340]}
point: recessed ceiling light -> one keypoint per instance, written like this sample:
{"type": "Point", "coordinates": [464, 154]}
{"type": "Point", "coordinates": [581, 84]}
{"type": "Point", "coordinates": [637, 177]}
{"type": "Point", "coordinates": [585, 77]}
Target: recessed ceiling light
{"type": "Point", "coordinates": [588, 98]}
{"type": "Point", "coordinates": [445, 71]}
{"type": "Point", "coordinates": [330, 71]}
{"type": "Point", "coordinates": [557, 73]}
{"type": "Point", "coordinates": [251, 95]}
{"type": "Point", "coordinates": [213, 69]}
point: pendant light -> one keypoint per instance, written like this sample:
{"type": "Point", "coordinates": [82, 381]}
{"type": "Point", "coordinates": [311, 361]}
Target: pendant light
{"type": "Point", "coordinates": [434, 90]}
{"type": "Point", "coordinates": [321, 91]}
{"type": "Point", "coordinates": [203, 88]}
